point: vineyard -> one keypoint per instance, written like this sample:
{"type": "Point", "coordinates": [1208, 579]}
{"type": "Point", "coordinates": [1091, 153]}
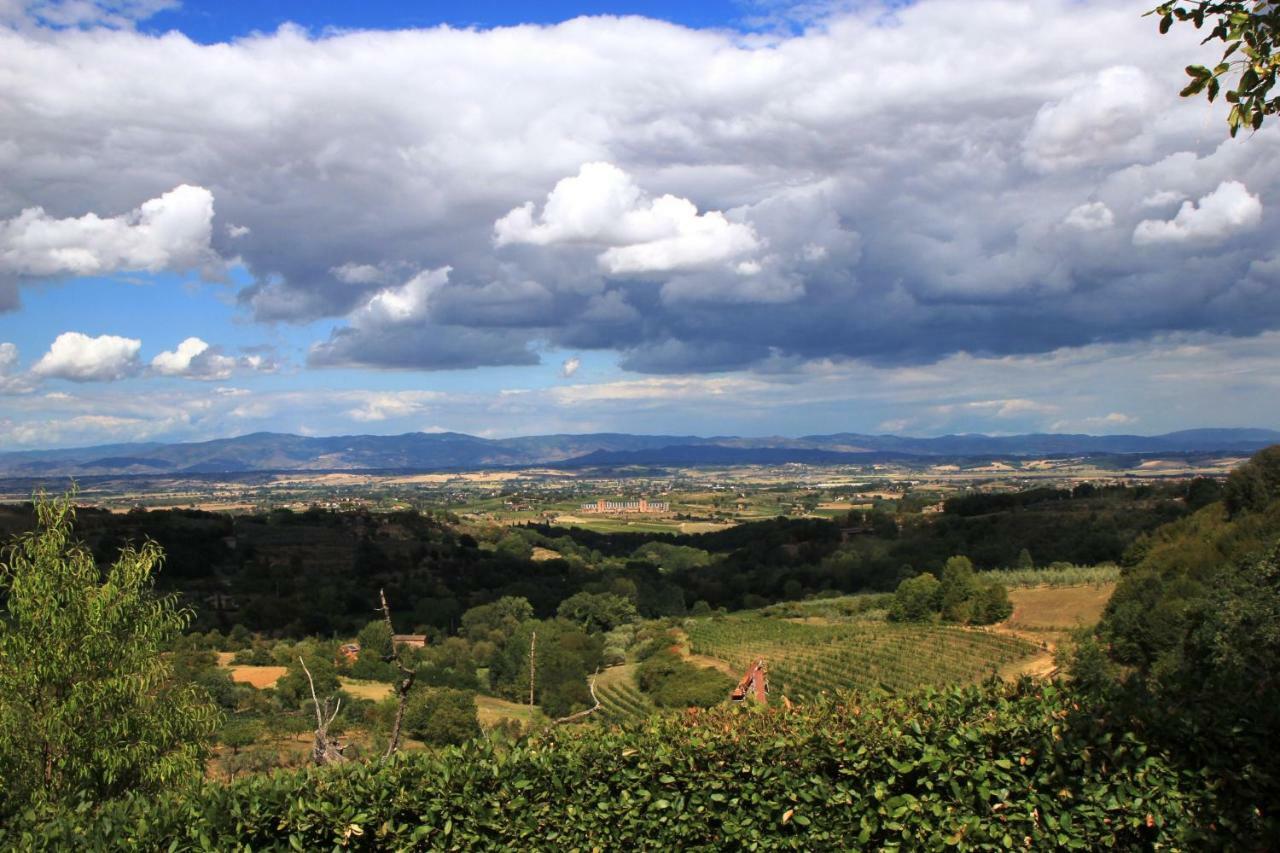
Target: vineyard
{"type": "Point", "coordinates": [806, 660]}
{"type": "Point", "coordinates": [620, 700]}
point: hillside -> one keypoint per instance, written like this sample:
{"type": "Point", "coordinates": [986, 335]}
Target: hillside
{"type": "Point", "coordinates": [449, 450]}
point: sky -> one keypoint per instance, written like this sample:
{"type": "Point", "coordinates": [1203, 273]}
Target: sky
{"type": "Point", "coordinates": [736, 217]}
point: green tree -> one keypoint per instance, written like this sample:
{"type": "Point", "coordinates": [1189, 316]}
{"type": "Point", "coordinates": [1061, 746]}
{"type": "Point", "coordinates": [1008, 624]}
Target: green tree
{"type": "Point", "coordinates": [89, 704]}
{"type": "Point", "coordinates": [597, 612]}
{"type": "Point", "coordinates": [440, 716]}
{"type": "Point", "coordinates": [498, 620]}
{"type": "Point", "coordinates": [1252, 486]}
{"type": "Point", "coordinates": [918, 599]}
{"type": "Point", "coordinates": [293, 688]}
{"type": "Point", "coordinates": [991, 604]}
{"type": "Point", "coordinates": [1024, 562]}
{"type": "Point", "coordinates": [375, 644]}
{"type": "Point", "coordinates": [959, 589]}
{"type": "Point", "coordinates": [1247, 30]}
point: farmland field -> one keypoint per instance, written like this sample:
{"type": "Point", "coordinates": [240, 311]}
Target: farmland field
{"type": "Point", "coordinates": [1062, 607]}
{"type": "Point", "coordinates": [806, 659]}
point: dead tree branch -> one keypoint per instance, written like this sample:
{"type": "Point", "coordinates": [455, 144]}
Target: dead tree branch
{"type": "Point", "coordinates": [406, 679]}
{"type": "Point", "coordinates": [325, 750]}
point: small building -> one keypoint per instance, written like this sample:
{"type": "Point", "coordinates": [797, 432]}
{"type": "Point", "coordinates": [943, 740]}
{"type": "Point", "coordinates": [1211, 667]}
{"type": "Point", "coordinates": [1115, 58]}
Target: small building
{"type": "Point", "coordinates": [350, 652]}
{"type": "Point", "coordinates": [415, 641]}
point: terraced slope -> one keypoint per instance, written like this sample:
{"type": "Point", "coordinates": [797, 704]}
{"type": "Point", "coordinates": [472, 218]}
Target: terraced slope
{"type": "Point", "coordinates": [620, 698]}
{"type": "Point", "coordinates": [806, 659]}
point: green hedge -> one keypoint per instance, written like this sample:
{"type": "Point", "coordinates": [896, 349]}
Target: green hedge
{"type": "Point", "coordinates": [988, 767]}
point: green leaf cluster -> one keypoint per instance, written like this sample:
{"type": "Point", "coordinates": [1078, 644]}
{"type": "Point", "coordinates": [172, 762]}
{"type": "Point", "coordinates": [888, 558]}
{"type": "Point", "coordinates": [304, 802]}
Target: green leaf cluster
{"type": "Point", "coordinates": [1250, 61]}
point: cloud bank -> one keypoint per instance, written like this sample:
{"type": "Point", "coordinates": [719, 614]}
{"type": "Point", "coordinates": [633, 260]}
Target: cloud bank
{"type": "Point", "coordinates": [897, 186]}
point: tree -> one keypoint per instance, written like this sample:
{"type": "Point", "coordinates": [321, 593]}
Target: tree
{"type": "Point", "coordinates": [1252, 486]}
{"type": "Point", "coordinates": [1247, 29]}
{"type": "Point", "coordinates": [497, 621]}
{"type": "Point", "coordinates": [918, 599]}
{"type": "Point", "coordinates": [89, 704]}
{"type": "Point", "coordinates": [597, 612]}
{"type": "Point", "coordinates": [375, 644]}
{"type": "Point", "coordinates": [1025, 563]}
{"type": "Point", "coordinates": [294, 687]}
{"type": "Point", "coordinates": [959, 588]}
{"type": "Point", "coordinates": [440, 716]}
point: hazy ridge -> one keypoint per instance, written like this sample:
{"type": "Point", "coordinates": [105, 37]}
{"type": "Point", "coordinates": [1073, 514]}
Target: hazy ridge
{"type": "Point", "coordinates": [441, 451]}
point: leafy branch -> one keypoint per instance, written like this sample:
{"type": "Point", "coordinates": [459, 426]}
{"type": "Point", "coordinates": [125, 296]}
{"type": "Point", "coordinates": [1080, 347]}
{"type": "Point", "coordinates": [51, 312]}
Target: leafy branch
{"type": "Point", "coordinates": [1249, 62]}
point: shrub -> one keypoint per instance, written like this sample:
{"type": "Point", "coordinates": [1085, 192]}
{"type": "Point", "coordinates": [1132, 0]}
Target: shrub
{"type": "Point", "coordinates": [672, 682]}
{"type": "Point", "coordinates": [440, 716]}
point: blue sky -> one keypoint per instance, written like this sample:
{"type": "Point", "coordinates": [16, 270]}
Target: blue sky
{"type": "Point", "coordinates": [752, 218]}
{"type": "Point", "coordinates": [210, 22]}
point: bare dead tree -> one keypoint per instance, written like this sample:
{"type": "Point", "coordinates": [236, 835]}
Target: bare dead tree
{"type": "Point", "coordinates": [591, 685]}
{"type": "Point", "coordinates": [533, 644]}
{"type": "Point", "coordinates": [325, 750]}
{"type": "Point", "coordinates": [406, 679]}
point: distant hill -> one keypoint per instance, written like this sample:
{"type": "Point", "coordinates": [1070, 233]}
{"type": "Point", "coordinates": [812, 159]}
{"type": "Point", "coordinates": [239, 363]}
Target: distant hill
{"type": "Point", "coordinates": [419, 451]}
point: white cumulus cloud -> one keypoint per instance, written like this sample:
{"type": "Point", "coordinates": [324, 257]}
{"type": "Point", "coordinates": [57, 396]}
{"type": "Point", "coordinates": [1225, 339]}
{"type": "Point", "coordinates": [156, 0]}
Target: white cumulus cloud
{"type": "Point", "coordinates": [603, 206]}
{"type": "Point", "coordinates": [80, 358]}
{"type": "Point", "coordinates": [170, 232]}
{"type": "Point", "coordinates": [570, 366]}
{"type": "Point", "coordinates": [194, 359]}
{"type": "Point", "coordinates": [1225, 211]}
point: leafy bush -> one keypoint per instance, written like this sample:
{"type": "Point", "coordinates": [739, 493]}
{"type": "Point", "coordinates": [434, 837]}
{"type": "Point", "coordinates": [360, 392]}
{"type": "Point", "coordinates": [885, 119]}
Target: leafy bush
{"type": "Point", "coordinates": [441, 716]}
{"type": "Point", "coordinates": [1030, 766]}
{"type": "Point", "coordinates": [672, 682]}
{"type": "Point", "coordinates": [918, 599]}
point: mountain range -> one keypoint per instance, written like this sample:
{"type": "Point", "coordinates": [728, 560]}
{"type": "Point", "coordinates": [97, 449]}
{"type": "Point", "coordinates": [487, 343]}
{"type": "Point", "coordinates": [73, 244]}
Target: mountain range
{"type": "Point", "coordinates": [419, 451]}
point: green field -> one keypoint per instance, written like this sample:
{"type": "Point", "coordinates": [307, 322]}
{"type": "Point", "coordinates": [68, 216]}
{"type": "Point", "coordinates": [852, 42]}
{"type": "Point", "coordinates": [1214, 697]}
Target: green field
{"type": "Point", "coordinates": [806, 659]}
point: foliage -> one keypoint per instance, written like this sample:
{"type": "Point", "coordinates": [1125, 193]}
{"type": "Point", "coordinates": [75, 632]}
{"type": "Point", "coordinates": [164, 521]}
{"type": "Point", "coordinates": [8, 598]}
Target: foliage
{"type": "Point", "coordinates": [672, 682]}
{"type": "Point", "coordinates": [1030, 766]}
{"type": "Point", "coordinates": [375, 644]}
{"type": "Point", "coordinates": [441, 716]}
{"type": "Point", "coordinates": [1057, 574]}
{"type": "Point", "coordinates": [1173, 572]}
{"type": "Point", "coordinates": [293, 687]}
{"type": "Point", "coordinates": [597, 612]}
{"type": "Point", "coordinates": [1255, 484]}
{"type": "Point", "coordinates": [918, 599]}
{"type": "Point", "coordinates": [89, 705]}
{"type": "Point", "coordinates": [961, 596]}
{"type": "Point", "coordinates": [1247, 29]}
{"type": "Point", "coordinates": [565, 656]}
{"type": "Point", "coordinates": [496, 621]}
